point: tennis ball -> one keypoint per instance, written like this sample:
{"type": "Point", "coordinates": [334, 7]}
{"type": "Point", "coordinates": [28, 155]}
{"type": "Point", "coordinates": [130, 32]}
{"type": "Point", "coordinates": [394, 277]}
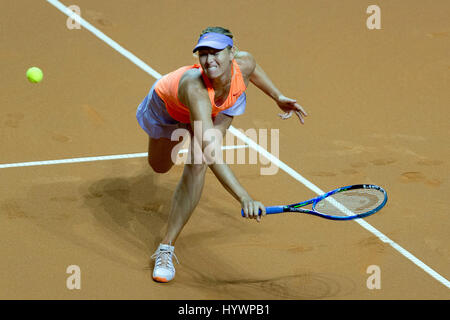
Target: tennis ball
{"type": "Point", "coordinates": [34, 75]}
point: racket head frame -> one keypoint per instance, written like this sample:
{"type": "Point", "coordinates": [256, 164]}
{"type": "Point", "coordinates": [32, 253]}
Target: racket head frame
{"type": "Point", "coordinates": [297, 207]}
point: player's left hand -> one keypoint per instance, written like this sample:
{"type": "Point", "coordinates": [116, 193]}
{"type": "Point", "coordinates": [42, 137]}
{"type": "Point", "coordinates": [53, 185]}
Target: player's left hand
{"type": "Point", "coordinates": [289, 106]}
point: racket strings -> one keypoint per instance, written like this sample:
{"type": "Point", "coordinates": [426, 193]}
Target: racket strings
{"type": "Point", "coordinates": [350, 202]}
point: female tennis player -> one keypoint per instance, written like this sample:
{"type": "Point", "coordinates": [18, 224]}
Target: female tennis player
{"type": "Point", "coordinates": [210, 93]}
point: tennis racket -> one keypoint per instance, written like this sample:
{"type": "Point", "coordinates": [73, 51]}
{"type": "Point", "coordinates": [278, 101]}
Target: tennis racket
{"type": "Point", "coordinates": [345, 203]}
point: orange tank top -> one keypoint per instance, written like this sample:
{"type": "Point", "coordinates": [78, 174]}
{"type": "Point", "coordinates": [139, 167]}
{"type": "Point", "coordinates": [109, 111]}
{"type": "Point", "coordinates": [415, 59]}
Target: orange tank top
{"type": "Point", "coordinates": [167, 90]}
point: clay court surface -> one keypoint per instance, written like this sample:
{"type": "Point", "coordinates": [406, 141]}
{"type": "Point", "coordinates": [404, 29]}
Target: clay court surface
{"type": "Point", "coordinates": [378, 113]}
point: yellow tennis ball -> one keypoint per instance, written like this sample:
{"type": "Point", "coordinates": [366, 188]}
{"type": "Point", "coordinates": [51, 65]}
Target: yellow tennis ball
{"type": "Point", "coordinates": [34, 75]}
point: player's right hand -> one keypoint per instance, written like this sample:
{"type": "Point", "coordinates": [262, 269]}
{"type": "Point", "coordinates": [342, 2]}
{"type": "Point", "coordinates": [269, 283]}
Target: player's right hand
{"type": "Point", "coordinates": [252, 209]}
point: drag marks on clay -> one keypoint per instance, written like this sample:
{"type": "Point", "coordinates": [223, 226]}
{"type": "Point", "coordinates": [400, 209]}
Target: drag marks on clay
{"type": "Point", "coordinates": [433, 182]}
{"type": "Point", "coordinates": [383, 162]}
{"type": "Point", "coordinates": [349, 171]}
{"type": "Point", "coordinates": [298, 286]}
{"type": "Point", "coordinates": [429, 162]}
{"type": "Point", "coordinates": [355, 150]}
{"type": "Point", "coordinates": [412, 177]}
{"type": "Point", "coordinates": [64, 199]}
{"type": "Point", "coordinates": [295, 249]}
{"type": "Point", "coordinates": [13, 210]}
{"type": "Point", "coordinates": [438, 34]}
{"type": "Point", "coordinates": [358, 164]}
{"type": "Point", "coordinates": [307, 285]}
{"type": "Point", "coordinates": [98, 17]}
{"type": "Point", "coordinates": [291, 248]}
{"type": "Point", "coordinates": [346, 148]}
{"type": "Point", "coordinates": [236, 281]}
{"type": "Point", "coordinates": [61, 138]}
{"type": "Point", "coordinates": [398, 137]}
{"type": "Point", "coordinates": [395, 144]}
{"type": "Point", "coordinates": [12, 120]}
{"type": "Point", "coordinates": [93, 115]}
{"type": "Point", "coordinates": [419, 177]}
{"type": "Point", "coordinates": [374, 244]}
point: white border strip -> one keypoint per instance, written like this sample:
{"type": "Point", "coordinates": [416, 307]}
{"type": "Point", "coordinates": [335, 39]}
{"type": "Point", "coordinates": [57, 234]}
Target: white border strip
{"type": "Point", "coordinates": [253, 145]}
{"type": "Point", "coordinates": [90, 159]}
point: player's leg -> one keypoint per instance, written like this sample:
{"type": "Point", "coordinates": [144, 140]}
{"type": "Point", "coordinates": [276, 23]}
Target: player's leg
{"type": "Point", "coordinates": [186, 197]}
{"type": "Point", "coordinates": [189, 189]}
{"type": "Point", "coordinates": [160, 154]}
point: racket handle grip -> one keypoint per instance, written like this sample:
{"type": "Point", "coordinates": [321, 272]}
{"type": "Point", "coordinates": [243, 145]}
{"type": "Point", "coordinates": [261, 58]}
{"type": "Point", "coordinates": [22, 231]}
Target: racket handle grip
{"type": "Point", "coordinates": [269, 210]}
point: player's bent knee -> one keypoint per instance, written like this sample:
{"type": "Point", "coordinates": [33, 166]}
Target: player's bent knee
{"type": "Point", "coordinates": [159, 167]}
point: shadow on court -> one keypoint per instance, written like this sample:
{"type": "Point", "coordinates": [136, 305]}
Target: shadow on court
{"type": "Point", "coordinates": [135, 209]}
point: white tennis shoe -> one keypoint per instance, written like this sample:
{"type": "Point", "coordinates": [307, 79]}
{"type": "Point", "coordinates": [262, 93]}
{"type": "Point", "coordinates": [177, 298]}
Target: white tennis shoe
{"type": "Point", "coordinates": [164, 271]}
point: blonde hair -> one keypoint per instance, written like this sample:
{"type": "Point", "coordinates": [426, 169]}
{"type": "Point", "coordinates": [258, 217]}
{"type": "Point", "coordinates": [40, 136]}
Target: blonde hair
{"type": "Point", "coordinates": [217, 30]}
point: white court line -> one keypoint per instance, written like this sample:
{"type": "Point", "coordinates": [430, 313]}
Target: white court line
{"type": "Point", "coordinates": [90, 159]}
{"type": "Point", "coordinates": [253, 145]}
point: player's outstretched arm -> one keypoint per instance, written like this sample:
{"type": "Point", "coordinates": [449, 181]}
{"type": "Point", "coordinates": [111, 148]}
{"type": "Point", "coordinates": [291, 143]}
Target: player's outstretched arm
{"type": "Point", "coordinates": [261, 80]}
{"type": "Point", "coordinates": [197, 99]}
